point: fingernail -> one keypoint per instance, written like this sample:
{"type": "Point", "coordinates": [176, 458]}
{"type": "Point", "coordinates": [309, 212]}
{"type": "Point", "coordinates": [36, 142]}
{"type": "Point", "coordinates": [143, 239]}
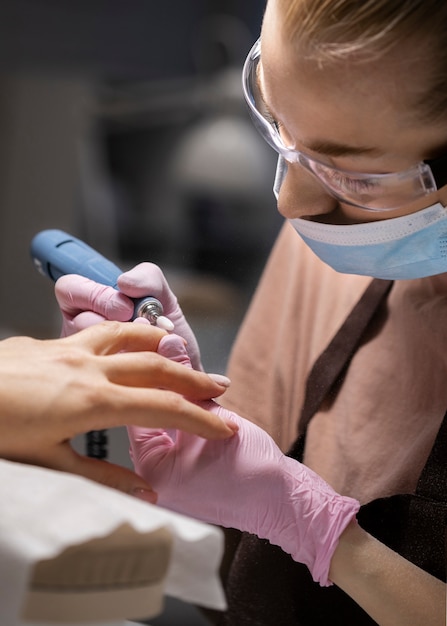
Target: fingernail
{"type": "Point", "coordinates": [220, 380]}
{"type": "Point", "coordinates": [141, 320]}
{"type": "Point", "coordinates": [147, 495]}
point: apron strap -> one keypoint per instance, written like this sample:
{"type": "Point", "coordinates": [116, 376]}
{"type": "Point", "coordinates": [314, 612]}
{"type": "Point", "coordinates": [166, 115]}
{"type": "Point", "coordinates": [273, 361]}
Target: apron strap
{"type": "Point", "coordinates": [328, 368]}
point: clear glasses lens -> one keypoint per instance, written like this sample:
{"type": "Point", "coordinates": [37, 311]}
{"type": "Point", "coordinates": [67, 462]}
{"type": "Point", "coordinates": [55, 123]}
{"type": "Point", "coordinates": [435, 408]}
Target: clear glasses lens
{"type": "Point", "coordinates": [374, 192]}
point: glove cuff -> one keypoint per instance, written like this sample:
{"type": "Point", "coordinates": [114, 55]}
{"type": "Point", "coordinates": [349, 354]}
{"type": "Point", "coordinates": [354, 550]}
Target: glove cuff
{"type": "Point", "coordinates": [341, 511]}
{"type": "Point", "coordinates": [316, 518]}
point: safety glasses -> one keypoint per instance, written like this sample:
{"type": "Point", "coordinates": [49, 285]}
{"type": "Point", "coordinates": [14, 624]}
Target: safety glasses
{"type": "Point", "coordinates": [374, 192]}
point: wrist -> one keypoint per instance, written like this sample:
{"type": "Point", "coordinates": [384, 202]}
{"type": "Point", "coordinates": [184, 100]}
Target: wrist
{"type": "Point", "coordinates": [354, 547]}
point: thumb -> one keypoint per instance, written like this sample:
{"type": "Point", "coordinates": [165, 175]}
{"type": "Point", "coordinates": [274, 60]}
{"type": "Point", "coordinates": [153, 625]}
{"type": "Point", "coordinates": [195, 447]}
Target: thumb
{"type": "Point", "coordinates": [149, 448]}
{"type": "Point", "coordinates": [66, 459]}
{"type": "Point", "coordinates": [148, 279]}
{"type": "Point", "coordinates": [173, 347]}
{"type": "Point", "coordinates": [145, 440]}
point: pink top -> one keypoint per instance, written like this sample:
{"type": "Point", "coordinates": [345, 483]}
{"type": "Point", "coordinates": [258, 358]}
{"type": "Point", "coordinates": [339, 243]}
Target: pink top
{"type": "Point", "coordinates": [376, 436]}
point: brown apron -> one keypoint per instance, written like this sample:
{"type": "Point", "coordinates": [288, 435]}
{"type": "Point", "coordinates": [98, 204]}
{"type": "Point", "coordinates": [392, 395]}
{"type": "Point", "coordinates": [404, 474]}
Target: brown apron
{"type": "Point", "coordinates": [265, 587]}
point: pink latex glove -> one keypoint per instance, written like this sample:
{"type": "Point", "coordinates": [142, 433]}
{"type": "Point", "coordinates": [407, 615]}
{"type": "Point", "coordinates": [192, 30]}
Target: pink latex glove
{"type": "Point", "coordinates": [84, 302]}
{"type": "Point", "coordinates": [244, 482]}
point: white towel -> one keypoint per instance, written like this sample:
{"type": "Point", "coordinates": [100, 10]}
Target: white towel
{"type": "Point", "coordinates": [44, 512]}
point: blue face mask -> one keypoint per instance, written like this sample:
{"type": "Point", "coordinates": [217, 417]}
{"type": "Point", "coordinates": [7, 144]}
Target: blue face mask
{"type": "Point", "coordinates": [412, 246]}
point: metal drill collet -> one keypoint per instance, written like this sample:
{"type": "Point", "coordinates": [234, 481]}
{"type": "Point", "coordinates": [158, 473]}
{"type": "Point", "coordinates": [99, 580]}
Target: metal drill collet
{"type": "Point", "coordinates": [150, 308]}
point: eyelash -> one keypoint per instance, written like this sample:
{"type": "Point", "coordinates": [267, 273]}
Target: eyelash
{"type": "Point", "coordinates": [351, 184]}
{"type": "Point", "coordinates": [359, 186]}
{"type": "Point", "coordinates": [271, 120]}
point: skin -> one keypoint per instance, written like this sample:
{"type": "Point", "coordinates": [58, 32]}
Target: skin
{"type": "Point", "coordinates": [102, 377]}
{"type": "Point", "coordinates": [321, 109]}
{"type": "Point", "coordinates": [393, 591]}
{"type": "Point", "coordinates": [338, 104]}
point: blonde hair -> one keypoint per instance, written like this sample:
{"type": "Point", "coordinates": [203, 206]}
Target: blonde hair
{"type": "Point", "coordinates": [361, 31]}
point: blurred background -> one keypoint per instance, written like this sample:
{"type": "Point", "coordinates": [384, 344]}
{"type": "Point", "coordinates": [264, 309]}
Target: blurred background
{"type": "Point", "coordinates": [123, 123]}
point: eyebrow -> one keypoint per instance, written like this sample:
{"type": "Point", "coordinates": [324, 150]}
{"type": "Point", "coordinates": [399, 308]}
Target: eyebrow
{"type": "Point", "coordinates": [335, 149]}
{"type": "Point", "coordinates": [326, 147]}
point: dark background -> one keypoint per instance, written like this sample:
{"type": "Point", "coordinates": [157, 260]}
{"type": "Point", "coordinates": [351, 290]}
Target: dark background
{"type": "Point", "coordinates": [123, 122]}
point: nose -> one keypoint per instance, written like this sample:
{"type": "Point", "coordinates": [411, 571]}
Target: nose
{"type": "Point", "coordinates": [302, 195]}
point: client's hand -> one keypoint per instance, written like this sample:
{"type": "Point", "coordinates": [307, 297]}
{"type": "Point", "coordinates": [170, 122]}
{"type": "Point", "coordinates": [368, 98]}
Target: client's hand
{"type": "Point", "coordinates": [102, 377]}
{"type": "Point", "coordinates": [244, 482]}
{"type": "Point", "coordinates": [84, 302]}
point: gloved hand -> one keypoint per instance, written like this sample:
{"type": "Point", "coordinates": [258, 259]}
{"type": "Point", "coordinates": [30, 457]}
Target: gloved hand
{"type": "Point", "coordinates": [84, 302]}
{"type": "Point", "coordinates": [147, 279]}
{"type": "Point", "coordinates": [244, 482]}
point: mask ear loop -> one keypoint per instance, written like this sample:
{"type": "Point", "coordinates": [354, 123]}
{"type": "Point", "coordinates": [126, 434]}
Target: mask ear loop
{"type": "Point", "coordinates": [280, 174]}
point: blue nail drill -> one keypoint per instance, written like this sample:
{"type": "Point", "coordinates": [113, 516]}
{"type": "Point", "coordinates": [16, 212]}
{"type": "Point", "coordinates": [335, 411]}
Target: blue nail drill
{"type": "Point", "coordinates": [56, 253]}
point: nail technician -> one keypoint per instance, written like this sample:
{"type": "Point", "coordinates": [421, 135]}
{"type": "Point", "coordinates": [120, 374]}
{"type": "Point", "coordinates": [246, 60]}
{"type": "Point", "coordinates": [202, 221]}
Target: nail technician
{"type": "Point", "coordinates": [350, 379]}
